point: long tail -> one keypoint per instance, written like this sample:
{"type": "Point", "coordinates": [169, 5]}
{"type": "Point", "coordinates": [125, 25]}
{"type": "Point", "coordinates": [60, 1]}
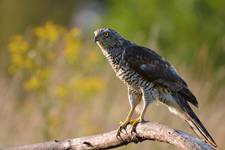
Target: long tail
{"type": "Point", "coordinates": [191, 118]}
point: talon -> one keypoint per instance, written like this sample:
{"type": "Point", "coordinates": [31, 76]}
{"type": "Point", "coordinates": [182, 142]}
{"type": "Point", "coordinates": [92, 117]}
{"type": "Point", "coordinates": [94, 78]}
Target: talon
{"type": "Point", "coordinates": [133, 130]}
{"type": "Point", "coordinates": [122, 126]}
{"type": "Point", "coordinates": [134, 123]}
{"type": "Point", "coordinates": [121, 123]}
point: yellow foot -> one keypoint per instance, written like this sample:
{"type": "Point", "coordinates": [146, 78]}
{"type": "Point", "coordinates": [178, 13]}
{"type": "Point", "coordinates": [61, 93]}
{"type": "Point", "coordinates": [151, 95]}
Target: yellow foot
{"type": "Point", "coordinates": [134, 124]}
{"type": "Point", "coordinates": [122, 126]}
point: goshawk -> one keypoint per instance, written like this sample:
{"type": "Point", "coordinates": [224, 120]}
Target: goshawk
{"type": "Point", "coordinates": [148, 77]}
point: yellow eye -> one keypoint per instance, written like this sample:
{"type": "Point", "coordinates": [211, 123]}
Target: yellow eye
{"type": "Point", "coordinates": [106, 34]}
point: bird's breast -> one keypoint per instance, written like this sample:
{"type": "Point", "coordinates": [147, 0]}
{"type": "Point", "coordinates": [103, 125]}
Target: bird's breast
{"type": "Point", "coordinates": [129, 76]}
{"type": "Point", "coordinates": [126, 74]}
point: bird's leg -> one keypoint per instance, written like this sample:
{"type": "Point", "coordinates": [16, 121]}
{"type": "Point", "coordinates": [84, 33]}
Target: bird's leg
{"type": "Point", "coordinates": [140, 119]}
{"type": "Point", "coordinates": [147, 98]}
{"type": "Point", "coordinates": [123, 124]}
{"type": "Point", "coordinates": [128, 118]}
{"type": "Point", "coordinates": [134, 99]}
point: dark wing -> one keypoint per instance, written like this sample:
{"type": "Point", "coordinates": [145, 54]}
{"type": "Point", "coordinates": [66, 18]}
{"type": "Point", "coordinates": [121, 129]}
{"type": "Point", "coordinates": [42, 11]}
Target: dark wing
{"type": "Point", "coordinates": [153, 68]}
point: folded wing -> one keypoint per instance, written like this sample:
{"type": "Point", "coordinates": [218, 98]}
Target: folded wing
{"type": "Point", "coordinates": [155, 69]}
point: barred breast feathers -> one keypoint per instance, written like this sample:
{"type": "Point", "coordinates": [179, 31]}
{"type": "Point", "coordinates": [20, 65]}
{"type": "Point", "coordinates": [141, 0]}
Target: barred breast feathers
{"type": "Point", "coordinates": [122, 69]}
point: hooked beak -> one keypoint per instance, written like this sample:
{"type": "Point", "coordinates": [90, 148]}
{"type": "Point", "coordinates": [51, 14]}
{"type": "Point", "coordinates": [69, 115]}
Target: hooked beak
{"type": "Point", "coordinates": [96, 38]}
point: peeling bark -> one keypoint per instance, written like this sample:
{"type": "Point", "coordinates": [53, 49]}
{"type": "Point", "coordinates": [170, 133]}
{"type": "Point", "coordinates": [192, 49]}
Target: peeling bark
{"type": "Point", "coordinates": [144, 131]}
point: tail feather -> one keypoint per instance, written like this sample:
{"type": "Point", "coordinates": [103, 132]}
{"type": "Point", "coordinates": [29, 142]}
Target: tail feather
{"type": "Point", "coordinates": [195, 123]}
{"type": "Point", "coordinates": [187, 94]}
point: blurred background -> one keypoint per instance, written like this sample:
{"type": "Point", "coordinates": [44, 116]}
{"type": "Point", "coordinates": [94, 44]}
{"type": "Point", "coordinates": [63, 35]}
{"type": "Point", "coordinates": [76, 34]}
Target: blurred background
{"type": "Point", "coordinates": [56, 84]}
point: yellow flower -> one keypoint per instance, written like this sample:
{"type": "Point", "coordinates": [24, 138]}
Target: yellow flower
{"type": "Point", "coordinates": [72, 51]}
{"type": "Point", "coordinates": [17, 60]}
{"type": "Point", "coordinates": [50, 32]}
{"type": "Point", "coordinates": [75, 32]}
{"type": "Point", "coordinates": [18, 45]}
{"type": "Point", "coordinates": [61, 91]}
{"type": "Point", "coordinates": [32, 84]}
{"type": "Point", "coordinates": [28, 63]}
{"type": "Point", "coordinates": [72, 45]}
{"type": "Point", "coordinates": [37, 81]}
{"type": "Point", "coordinates": [43, 74]}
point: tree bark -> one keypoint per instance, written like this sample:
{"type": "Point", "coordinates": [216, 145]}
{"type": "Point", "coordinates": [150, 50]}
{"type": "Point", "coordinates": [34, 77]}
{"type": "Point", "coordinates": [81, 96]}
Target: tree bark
{"type": "Point", "coordinates": [144, 131]}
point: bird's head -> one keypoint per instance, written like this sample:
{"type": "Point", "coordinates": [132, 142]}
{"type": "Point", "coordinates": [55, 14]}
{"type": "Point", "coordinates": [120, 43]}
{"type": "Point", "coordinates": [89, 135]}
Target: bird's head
{"type": "Point", "coordinates": [108, 38]}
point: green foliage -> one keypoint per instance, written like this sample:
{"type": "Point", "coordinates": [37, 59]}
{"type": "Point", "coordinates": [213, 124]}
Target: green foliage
{"type": "Point", "coordinates": [181, 28]}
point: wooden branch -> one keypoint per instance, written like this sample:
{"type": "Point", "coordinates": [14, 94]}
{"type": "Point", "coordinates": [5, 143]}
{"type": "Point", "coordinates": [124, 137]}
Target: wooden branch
{"type": "Point", "coordinates": [144, 131]}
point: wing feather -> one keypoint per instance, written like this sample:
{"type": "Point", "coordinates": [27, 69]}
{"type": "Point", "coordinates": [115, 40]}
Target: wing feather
{"type": "Point", "coordinates": [155, 69]}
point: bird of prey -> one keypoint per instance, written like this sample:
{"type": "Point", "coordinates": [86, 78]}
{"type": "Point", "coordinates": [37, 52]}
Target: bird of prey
{"type": "Point", "coordinates": [148, 77]}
